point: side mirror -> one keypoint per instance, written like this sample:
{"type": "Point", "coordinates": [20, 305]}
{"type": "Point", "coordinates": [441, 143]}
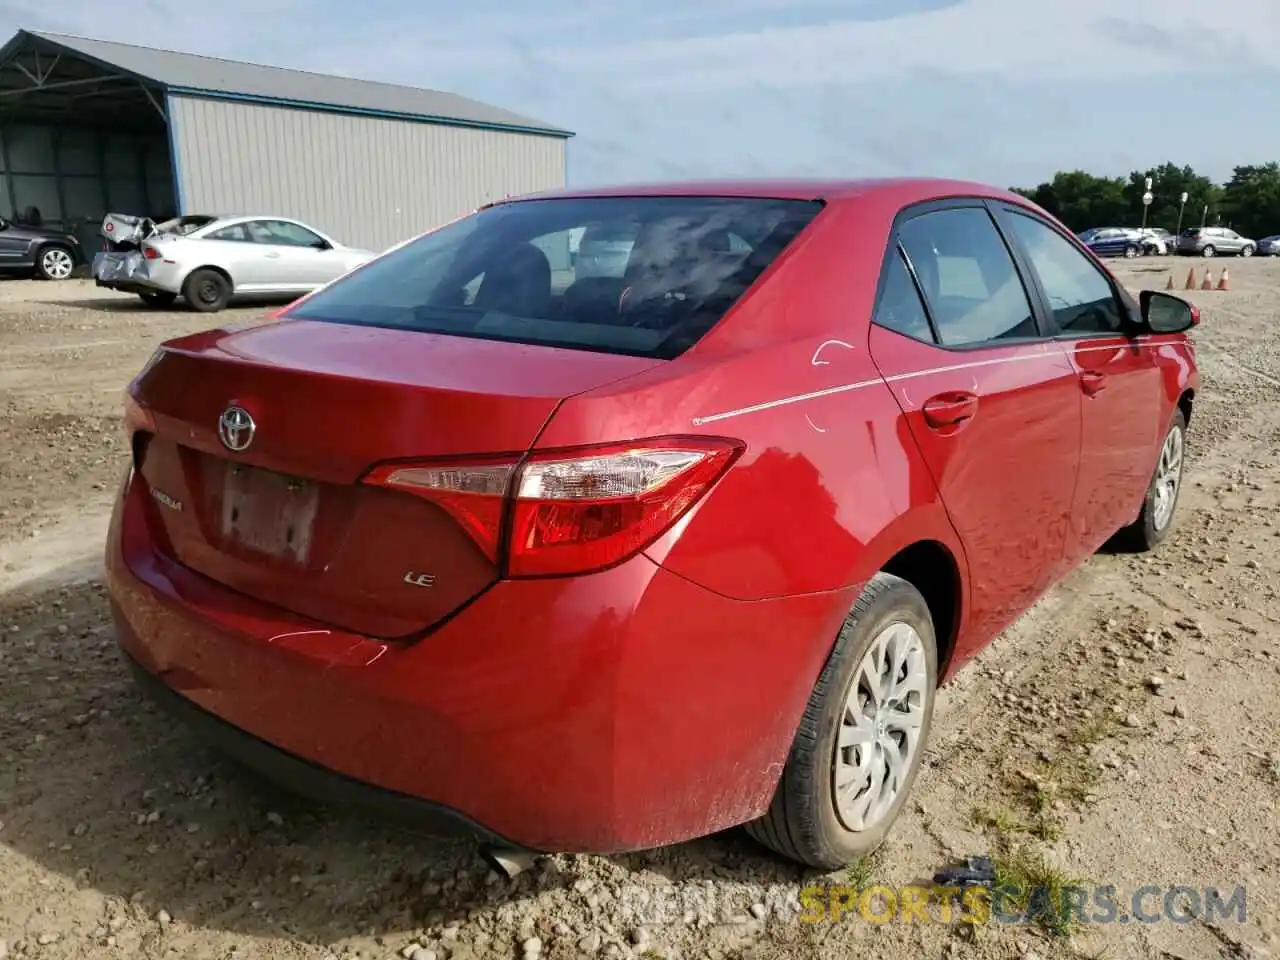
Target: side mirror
{"type": "Point", "coordinates": [322, 245]}
{"type": "Point", "coordinates": [1165, 313]}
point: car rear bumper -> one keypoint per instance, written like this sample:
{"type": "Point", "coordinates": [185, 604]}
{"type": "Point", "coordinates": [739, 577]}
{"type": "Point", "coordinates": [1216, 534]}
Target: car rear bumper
{"type": "Point", "coordinates": [130, 273]}
{"type": "Point", "coordinates": [624, 710]}
{"type": "Point", "coordinates": [302, 776]}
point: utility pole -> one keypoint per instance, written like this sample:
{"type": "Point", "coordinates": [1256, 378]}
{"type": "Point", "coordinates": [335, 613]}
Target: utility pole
{"type": "Point", "coordinates": [1147, 197]}
{"type": "Point", "coordinates": [1181, 208]}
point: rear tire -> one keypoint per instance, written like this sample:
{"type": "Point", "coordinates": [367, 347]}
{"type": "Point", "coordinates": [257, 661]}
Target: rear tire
{"type": "Point", "coordinates": [1131, 251]}
{"type": "Point", "coordinates": [54, 262]}
{"type": "Point", "coordinates": [841, 733]}
{"type": "Point", "coordinates": [1208, 251]}
{"type": "Point", "coordinates": [1160, 505]}
{"type": "Point", "coordinates": [158, 301]}
{"type": "Point", "coordinates": [207, 291]}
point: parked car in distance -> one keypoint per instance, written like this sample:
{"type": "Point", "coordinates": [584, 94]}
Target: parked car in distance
{"type": "Point", "coordinates": [1269, 246]}
{"type": "Point", "coordinates": [1157, 242]}
{"type": "Point", "coordinates": [688, 544]}
{"type": "Point", "coordinates": [210, 260]}
{"type": "Point", "coordinates": [1115, 242]}
{"type": "Point", "coordinates": [1214, 241]}
{"type": "Point", "coordinates": [49, 254]}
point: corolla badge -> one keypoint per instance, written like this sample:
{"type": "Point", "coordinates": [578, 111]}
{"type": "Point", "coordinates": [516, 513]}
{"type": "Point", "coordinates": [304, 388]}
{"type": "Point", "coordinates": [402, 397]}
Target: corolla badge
{"type": "Point", "coordinates": [236, 428]}
{"type": "Point", "coordinates": [161, 497]}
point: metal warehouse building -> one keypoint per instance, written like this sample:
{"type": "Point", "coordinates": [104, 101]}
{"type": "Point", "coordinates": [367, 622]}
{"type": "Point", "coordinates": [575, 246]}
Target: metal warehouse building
{"type": "Point", "coordinates": [88, 126]}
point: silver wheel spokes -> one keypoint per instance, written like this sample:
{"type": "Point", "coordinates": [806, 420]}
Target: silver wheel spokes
{"type": "Point", "coordinates": [57, 264]}
{"type": "Point", "coordinates": [1168, 478]}
{"type": "Point", "coordinates": [880, 728]}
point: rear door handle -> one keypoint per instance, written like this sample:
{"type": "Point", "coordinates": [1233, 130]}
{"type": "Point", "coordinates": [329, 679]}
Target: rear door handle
{"type": "Point", "coordinates": [950, 409]}
{"type": "Point", "coordinates": [272, 256]}
{"type": "Point", "coordinates": [1092, 382]}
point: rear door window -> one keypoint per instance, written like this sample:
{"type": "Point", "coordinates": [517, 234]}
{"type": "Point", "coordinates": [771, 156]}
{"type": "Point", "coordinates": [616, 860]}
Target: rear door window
{"type": "Point", "coordinates": [646, 276]}
{"type": "Point", "coordinates": [970, 282]}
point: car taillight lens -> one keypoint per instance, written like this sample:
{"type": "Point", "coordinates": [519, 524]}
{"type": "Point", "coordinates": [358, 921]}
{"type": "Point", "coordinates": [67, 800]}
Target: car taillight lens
{"type": "Point", "coordinates": [151, 253]}
{"type": "Point", "coordinates": [570, 512]}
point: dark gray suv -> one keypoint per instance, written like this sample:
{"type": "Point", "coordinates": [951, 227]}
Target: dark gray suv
{"type": "Point", "coordinates": [1212, 241]}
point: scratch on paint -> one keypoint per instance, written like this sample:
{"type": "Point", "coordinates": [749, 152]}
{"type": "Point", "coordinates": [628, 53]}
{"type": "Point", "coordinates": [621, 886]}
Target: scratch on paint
{"type": "Point", "coordinates": [822, 346]}
{"type": "Point", "coordinates": [814, 425]}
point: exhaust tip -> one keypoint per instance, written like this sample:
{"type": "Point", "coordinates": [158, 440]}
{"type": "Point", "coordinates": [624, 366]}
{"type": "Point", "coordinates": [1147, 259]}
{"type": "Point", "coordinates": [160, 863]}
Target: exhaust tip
{"type": "Point", "coordinates": [507, 862]}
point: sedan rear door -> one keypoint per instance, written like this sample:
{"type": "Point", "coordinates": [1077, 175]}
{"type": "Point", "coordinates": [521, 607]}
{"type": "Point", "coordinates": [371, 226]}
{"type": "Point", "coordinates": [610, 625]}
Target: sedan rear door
{"type": "Point", "coordinates": [992, 404]}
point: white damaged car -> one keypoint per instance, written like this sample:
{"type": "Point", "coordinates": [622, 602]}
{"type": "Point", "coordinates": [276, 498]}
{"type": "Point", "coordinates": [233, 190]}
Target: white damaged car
{"type": "Point", "coordinates": [210, 260]}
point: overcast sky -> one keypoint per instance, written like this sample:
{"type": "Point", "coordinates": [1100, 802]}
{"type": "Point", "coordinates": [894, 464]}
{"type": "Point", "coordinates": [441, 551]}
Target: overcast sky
{"type": "Point", "coordinates": [1004, 91]}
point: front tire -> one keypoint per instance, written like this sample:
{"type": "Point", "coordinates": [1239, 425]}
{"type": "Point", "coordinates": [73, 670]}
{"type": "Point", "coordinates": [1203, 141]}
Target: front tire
{"type": "Point", "coordinates": [860, 742]}
{"type": "Point", "coordinates": [1130, 252]}
{"type": "Point", "coordinates": [55, 262]}
{"type": "Point", "coordinates": [207, 291]}
{"type": "Point", "coordinates": [1160, 504]}
{"type": "Point", "coordinates": [1246, 251]}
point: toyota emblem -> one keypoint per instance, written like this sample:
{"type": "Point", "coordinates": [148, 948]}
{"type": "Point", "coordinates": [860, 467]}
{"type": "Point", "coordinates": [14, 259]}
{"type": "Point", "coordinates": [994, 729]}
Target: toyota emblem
{"type": "Point", "coordinates": [236, 428]}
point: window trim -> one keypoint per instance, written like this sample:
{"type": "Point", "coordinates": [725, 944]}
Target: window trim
{"type": "Point", "coordinates": [1035, 299]}
{"type": "Point", "coordinates": [1129, 326]}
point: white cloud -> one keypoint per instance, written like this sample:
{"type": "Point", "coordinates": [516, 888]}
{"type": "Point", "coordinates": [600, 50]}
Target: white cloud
{"type": "Point", "coordinates": [615, 43]}
{"type": "Point", "coordinates": [1041, 40]}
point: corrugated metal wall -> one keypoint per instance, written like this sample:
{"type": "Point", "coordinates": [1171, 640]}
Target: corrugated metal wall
{"type": "Point", "coordinates": [368, 182]}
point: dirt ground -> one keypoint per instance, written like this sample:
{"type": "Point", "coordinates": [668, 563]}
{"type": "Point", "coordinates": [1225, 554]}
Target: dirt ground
{"type": "Point", "coordinates": [1125, 733]}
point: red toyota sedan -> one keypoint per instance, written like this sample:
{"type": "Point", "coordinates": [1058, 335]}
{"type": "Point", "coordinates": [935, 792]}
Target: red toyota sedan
{"type": "Point", "coordinates": [604, 519]}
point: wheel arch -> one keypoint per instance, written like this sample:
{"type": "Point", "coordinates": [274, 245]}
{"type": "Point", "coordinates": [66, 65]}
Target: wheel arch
{"type": "Point", "coordinates": [923, 548]}
{"type": "Point", "coordinates": [215, 268]}
{"type": "Point", "coordinates": [933, 570]}
{"type": "Point", "coordinates": [1185, 403]}
{"type": "Point", "coordinates": [54, 242]}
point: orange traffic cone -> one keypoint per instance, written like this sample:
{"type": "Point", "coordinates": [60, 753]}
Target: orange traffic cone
{"type": "Point", "coordinates": [1169, 285]}
{"type": "Point", "coordinates": [1222, 280]}
{"type": "Point", "coordinates": [1207, 283]}
{"type": "Point", "coordinates": [1191, 279]}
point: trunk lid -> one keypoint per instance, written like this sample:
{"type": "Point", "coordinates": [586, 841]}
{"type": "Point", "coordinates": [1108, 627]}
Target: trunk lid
{"type": "Point", "coordinates": [285, 519]}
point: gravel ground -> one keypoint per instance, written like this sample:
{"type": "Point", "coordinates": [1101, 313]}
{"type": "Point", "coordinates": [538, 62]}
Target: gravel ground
{"type": "Point", "coordinates": [1126, 732]}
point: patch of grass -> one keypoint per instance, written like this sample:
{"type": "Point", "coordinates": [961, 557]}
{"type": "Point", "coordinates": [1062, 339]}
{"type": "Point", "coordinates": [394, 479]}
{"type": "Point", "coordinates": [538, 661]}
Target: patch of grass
{"type": "Point", "coordinates": [1095, 731]}
{"type": "Point", "coordinates": [1040, 823]}
{"type": "Point", "coordinates": [861, 873]}
{"type": "Point", "coordinates": [998, 819]}
{"type": "Point", "coordinates": [1271, 771]}
{"type": "Point", "coordinates": [1027, 884]}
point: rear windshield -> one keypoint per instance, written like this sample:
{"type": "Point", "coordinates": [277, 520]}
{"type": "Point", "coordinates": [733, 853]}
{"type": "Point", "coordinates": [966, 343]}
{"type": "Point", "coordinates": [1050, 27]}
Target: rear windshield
{"type": "Point", "coordinates": [184, 225]}
{"type": "Point", "coordinates": [646, 276]}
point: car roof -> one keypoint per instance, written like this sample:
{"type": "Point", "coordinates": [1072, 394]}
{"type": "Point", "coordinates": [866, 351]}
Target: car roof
{"type": "Point", "coordinates": [903, 189]}
{"type": "Point", "coordinates": [245, 217]}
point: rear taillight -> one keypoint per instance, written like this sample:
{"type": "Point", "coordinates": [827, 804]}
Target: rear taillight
{"type": "Point", "coordinates": [572, 511]}
{"type": "Point", "coordinates": [151, 253]}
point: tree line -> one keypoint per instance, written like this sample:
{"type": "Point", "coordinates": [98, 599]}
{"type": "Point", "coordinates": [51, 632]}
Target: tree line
{"type": "Point", "coordinates": [1249, 202]}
